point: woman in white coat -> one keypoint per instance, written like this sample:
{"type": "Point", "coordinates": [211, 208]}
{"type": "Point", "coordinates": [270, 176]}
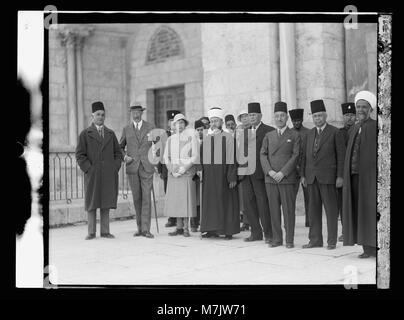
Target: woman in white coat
{"type": "Point", "coordinates": [180, 157]}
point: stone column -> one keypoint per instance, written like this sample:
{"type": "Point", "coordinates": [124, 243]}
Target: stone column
{"type": "Point", "coordinates": [69, 42]}
{"type": "Point", "coordinates": [79, 73]}
{"type": "Point", "coordinates": [320, 68]}
{"type": "Point", "coordinates": [73, 39]}
{"type": "Point", "coordinates": [287, 63]}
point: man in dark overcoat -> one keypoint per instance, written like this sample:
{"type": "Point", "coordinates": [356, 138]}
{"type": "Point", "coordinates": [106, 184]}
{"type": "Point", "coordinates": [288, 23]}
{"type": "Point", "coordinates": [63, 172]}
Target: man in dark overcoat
{"type": "Point", "coordinates": [296, 116]}
{"type": "Point", "coordinates": [322, 171]}
{"type": "Point", "coordinates": [359, 189]}
{"type": "Point", "coordinates": [137, 147]}
{"type": "Point", "coordinates": [254, 193]}
{"type": "Point", "coordinates": [349, 116]}
{"type": "Point", "coordinates": [279, 155]}
{"type": "Point", "coordinates": [99, 156]}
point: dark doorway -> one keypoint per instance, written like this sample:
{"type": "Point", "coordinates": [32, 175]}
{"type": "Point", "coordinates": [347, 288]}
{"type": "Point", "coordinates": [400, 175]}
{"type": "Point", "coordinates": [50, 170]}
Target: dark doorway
{"type": "Point", "coordinates": [172, 98]}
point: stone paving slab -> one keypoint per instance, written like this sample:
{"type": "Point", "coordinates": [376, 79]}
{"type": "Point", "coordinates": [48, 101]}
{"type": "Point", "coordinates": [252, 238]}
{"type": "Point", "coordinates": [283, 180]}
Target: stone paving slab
{"type": "Point", "coordinates": [166, 260]}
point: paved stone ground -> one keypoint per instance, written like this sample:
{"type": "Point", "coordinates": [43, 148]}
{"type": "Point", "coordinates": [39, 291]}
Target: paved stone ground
{"type": "Point", "coordinates": [166, 260]}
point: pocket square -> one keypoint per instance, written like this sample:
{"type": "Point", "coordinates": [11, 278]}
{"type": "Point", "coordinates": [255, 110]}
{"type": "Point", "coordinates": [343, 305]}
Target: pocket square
{"type": "Point", "coordinates": [289, 140]}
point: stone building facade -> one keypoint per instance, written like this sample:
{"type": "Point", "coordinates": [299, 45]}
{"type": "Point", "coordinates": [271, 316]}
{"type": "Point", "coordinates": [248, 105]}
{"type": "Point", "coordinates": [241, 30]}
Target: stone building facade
{"type": "Point", "coordinates": [195, 66]}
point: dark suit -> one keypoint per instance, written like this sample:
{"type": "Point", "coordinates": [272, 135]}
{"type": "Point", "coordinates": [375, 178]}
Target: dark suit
{"type": "Point", "coordinates": [140, 171]}
{"type": "Point", "coordinates": [254, 193]}
{"type": "Point", "coordinates": [321, 170]}
{"type": "Point", "coordinates": [281, 154]}
{"type": "Point", "coordinates": [302, 132]}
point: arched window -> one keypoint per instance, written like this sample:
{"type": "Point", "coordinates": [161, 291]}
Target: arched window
{"type": "Point", "coordinates": [165, 43]}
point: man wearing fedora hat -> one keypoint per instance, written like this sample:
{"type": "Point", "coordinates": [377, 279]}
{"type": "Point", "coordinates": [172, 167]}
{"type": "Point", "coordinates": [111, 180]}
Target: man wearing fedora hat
{"type": "Point", "coordinates": [255, 196]}
{"type": "Point", "coordinates": [296, 116]}
{"type": "Point", "coordinates": [99, 156]}
{"type": "Point", "coordinates": [360, 179]}
{"type": "Point", "coordinates": [135, 145]}
{"type": "Point", "coordinates": [349, 116]}
{"type": "Point", "coordinates": [162, 168]}
{"type": "Point", "coordinates": [322, 172]}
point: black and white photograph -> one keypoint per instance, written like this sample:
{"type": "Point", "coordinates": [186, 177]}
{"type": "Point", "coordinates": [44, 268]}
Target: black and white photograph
{"type": "Point", "coordinates": [206, 152]}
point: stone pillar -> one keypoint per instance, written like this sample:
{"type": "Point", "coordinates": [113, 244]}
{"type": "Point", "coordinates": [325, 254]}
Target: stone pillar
{"type": "Point", "coordinates": [320, 68]}
{"type": "Point", "coordinates": [79, 73]}
{"type": "Point", "coordinates": [287, 63]}
{"type": "Point", "coordinates": [72, 39]}
{"type": "Point", "coordinates": [71, 91]}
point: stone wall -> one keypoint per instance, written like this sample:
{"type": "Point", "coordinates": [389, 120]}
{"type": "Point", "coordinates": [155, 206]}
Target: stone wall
{"type": "Point", "coordinates": [105, 77]}
{"type": "Point", "coordinates": [320, 68]}
{"type": "Point", "coordinates": [361, 59]}
{"type": "Point", "coordinates": [240, 63]}
{"type": "Point", "coordinates": [182, 69]}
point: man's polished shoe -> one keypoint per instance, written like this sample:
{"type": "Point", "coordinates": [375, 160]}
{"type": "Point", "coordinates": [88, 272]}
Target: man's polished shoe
{"type": "Point", "coordinates": [268, 240]}
{"type": "Point", "coordinates": [228, 237]}
{"type": "Point", "coordinates": [138, 234]}
{"type": "Point", "coordinates": [90, 236]}
{"type": "Point", "coordinates": [147, 234]}
{"type": "Point", "coordinates": [309, 245]}
{"type": "Point", "coordinates": [186, 233]}
{"type": "Point", "coordinates": [331, 247]}
{"type": "Point", "coordinates": [341, 238]}
{"type": "Point", "coordinates": [107, 235]}
{"type": "Point", "coordinates": [290, 245]}
{"type": "Point", "coordinates": [251, 238]}
{"type": "Point", "coordinates": [364, 255]}
{"type": "Point", "coordinates": [274, 245]}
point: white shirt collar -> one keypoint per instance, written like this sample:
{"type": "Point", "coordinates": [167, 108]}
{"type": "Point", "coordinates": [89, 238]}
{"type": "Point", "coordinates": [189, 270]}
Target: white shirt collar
{"type": "Point", "coordinates": [257, 126]}
{"type": "Point", "coordinates": [282, 130]}
{"type": "Point", "coordinates": [98, 127]}
{"type": "Point", "coordinates": [322, 128]}
{"type": "Point", "coordinates": [139, 124]}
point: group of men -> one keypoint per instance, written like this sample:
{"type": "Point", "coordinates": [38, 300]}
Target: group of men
{"type": "Point", "coordinates": [335, 167]}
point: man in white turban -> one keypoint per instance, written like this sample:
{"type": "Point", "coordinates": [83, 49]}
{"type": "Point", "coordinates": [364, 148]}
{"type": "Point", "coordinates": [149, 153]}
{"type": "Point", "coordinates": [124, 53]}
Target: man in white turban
{"type": "Point", "coordinates": [359, 188]}
{"type": "Point", "coordinates": [220, 206]}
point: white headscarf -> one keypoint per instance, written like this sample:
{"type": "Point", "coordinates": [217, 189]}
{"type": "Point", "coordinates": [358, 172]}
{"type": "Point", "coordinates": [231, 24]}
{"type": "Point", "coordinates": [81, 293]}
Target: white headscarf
{"type": "Point", "coordinates": [367, 96]}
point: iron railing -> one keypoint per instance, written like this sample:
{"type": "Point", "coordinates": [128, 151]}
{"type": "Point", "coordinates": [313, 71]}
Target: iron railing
{"type": "Point", "coordinates": [66, 180]}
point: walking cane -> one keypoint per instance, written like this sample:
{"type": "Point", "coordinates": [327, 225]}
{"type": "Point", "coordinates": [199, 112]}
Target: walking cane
{"type": "Point", "coordinates": [155, 210]}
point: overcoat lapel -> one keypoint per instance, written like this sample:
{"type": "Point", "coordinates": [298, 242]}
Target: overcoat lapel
{"type": "Point", "coordinates": [107, 136]}
{"type": "Point", "coordinates": [93, 133]}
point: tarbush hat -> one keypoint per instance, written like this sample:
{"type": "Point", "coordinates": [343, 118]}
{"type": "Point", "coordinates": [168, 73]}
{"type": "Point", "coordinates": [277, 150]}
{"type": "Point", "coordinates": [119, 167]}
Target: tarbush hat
{"type": "Point", "coordinates": [317, 106]}
{"type": "Point", "coordinates": [280, 106]}
{"type": "Point", "coordinates": [98, 105]}
{"type": "Point", "coordinates": [296, 114]}
{"type": "Point", "coordinates": [254, 107]}
{"type": "Point", "coordinates": [348, 107]}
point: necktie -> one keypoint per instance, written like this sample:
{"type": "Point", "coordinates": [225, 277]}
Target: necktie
{"type": "Point", "coordinates": [279, 133]}
{"type": "Point", "coordinates": [100, 131]}
{"type": "Point", "coordinates": [136, 126]}
{"type": "Point", "coordinates": [316, 142]}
